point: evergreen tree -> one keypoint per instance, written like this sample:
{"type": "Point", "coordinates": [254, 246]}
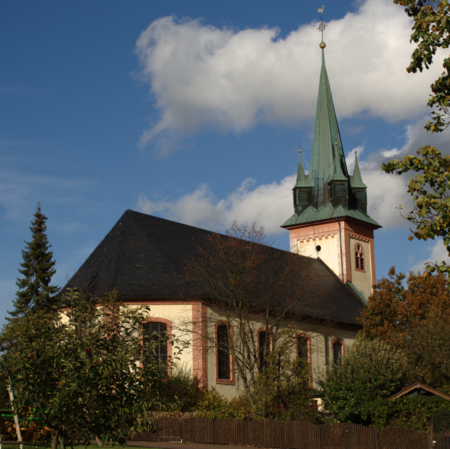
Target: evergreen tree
{"type": "Point", "coordinates": [34, 289]}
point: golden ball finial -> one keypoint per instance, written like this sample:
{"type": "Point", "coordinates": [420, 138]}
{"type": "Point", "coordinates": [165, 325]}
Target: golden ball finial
{"type": "Point", "coordinates": [322, 45]}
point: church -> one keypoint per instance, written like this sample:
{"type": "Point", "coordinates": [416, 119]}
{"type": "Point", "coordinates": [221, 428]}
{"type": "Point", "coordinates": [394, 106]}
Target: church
{"type": "Point", "coordinates": [331, 235]}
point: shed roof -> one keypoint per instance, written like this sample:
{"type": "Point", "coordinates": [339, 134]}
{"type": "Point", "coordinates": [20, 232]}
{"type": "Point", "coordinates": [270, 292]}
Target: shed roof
{"type": "Point", "coordinates": [417, 387]}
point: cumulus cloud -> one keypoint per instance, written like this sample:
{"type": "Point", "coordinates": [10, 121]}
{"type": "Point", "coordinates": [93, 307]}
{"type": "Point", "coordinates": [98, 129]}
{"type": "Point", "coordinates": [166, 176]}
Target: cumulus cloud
{"type": "Point", "coordinates": [436, 254]}
{"type": "Point", "coordinates": [268, 205]}
{"type": "Point", "coordinates": [203, 77]}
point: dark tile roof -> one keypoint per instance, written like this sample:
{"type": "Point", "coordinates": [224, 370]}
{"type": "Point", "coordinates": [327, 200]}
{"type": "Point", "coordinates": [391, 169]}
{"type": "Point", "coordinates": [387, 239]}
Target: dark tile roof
{"type": "Point", "coordinates": [145, 256]}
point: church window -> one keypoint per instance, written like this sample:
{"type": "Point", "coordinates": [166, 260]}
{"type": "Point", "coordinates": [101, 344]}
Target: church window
{"type": "Point", "coordinates": [264, 348]}
{"type": "Point", "coordinates": [360, 263]}
{"type": "Point", "coordinates": [155, 341]}
{"type": "Point", "coordinates": [223, 353]}
{"type": "Point", "coordinates": [338, 349]}
{"type": "Point", "coordinates": [303, 347]}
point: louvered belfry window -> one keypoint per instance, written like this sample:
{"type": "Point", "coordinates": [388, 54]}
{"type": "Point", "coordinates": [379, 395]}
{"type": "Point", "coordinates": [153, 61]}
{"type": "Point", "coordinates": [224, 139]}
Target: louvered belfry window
{"type": "Point", "coordinates": [155, 340]}
{"type": "Point", "coordinates": [359, 258]}
{"type": "Point", "coordinates": [223, 354]}
{"type": "Point", "coordinates": [302, 347]}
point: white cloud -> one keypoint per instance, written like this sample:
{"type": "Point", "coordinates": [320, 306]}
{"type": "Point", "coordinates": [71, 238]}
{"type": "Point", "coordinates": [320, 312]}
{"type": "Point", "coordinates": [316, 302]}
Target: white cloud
{"type": "Point", "coordinates": [268, 205]}
{"type": "Point", "coordinates": [203, 77]}
{"type": "Point", "coordinates": [436, 254]}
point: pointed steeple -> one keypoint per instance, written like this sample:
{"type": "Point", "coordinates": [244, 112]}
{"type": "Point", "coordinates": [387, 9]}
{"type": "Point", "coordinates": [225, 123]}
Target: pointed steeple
{"type": "Point", "coordinates": [356, 179]}
{"type": "Point", "coordinates": [328, 192]}
{"type": "Point", "coordinates": [327, 160]}
{"type": "Point", "coordinates": [302, 179]}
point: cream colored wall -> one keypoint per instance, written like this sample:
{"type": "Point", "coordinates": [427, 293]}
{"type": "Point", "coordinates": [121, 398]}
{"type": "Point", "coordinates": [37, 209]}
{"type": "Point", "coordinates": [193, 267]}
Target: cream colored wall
{"type": "Point", "coordinates": [321, 354]}
{"type": "Point", "coordinates": [362, 281]}
{"type": "Point", "coordinates": [181, 317]}
{"type": "Point", "coordinates": [329, 252]}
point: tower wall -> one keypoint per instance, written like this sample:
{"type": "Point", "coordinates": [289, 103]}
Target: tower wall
{"type": "Point", "coordinates": [338, 240]}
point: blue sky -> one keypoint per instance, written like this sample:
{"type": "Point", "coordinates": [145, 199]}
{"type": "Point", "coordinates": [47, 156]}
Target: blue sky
{"type": "Point", "coordinates": [193, 111]}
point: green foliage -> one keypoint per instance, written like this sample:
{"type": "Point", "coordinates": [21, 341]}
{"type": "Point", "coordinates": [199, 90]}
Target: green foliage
{"type": "Point", "coordinates": [410, 412]}
{"type": "Point", "coordinates": [283, 390]}
{"type": "Point", "coordinates": [82, 369]}
{"type": "Point", "coordinates": [431, 30]}
{"type": "Point", "coordinates": [369, 370]}
{"type": "Point", "coordinates": [34, 289]}
{"type": "Point", "coordinates": [430, 190]}
{"type": "Point", "coordinates": [181, 392]}
{"type": "Point", "coordinates": [441, 420]}
{"type": "Point", "coordinates": [216, 406]}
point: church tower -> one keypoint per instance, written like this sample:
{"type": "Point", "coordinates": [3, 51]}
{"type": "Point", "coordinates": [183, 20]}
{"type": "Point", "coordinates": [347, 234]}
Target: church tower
{"type": "Point", "coordinates": [330, 218]}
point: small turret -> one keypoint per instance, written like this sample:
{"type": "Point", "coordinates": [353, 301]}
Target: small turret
{"type": "Point", "coordinates": [303, 188]}
{"type": "Point", "coordinates": [359, 188]}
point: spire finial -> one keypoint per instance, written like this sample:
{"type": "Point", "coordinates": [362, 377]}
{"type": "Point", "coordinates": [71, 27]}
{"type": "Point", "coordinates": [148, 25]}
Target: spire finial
{"type": "Point", "coordinates": [356, 152]}
{"type": "Point", "coordinates": [299, 147]}
{"type": "Point", "coordinates": [322, 27]}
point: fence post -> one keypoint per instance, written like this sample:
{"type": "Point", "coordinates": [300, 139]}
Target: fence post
{"type": "Point", "coordinates": [181, 429]}
{"type": "Point", "coordinates": [214, 431]}
{"type": "Point", "coordinates": [375, 436]}
{"type": "Point", "coordinates": [317, 437]}
{"type": "Point", "coordinates": [248, 431]}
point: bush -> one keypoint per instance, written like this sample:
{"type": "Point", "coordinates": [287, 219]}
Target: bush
{"type": "Point", "coordinates": [413, 413]}
{"type": "Point", "coordinates": [441, 420]}
{"type": "Point", "coordinates": [369, 371]}
{"type": "Point", "coordinates": [181, 392]}
{"type": "Point", "coordinates": [216, 406]}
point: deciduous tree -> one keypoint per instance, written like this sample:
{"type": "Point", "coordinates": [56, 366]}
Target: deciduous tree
{"type": "Point", "coordinates": [253, 291]}
{"type": "Point", "coordinates": [369, 370]}
{"type": "Point", "coordinates": [431, 30]}
{"type": "Point", "coordinates": [414, 318]}
{"type": "Point", "coordinates": [81, 369]}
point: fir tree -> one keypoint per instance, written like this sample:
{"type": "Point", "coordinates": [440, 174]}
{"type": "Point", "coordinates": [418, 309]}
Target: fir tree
{"type": "Point", "coordinates": [34, 289]}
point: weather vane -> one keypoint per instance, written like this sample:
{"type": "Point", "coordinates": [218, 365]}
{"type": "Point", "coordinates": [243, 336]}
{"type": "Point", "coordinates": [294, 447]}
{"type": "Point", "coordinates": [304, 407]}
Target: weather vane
{"type": "Point", "coordinates": [322, 27]}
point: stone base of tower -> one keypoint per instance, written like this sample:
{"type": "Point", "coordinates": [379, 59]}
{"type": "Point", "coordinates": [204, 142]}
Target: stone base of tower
{"type": "Point", "coordinates": [345, 245]}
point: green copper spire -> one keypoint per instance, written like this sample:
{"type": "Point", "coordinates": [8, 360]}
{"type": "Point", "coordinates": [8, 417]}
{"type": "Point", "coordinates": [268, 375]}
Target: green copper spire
{"type": "Point", "coordinates": [327, 162]}
{"type": "Point", "coordinates": [302, 179]}
{"type": "Point", "coordinates": [356, 180]}
{"type": "Point", "coordinates": [328, 192]}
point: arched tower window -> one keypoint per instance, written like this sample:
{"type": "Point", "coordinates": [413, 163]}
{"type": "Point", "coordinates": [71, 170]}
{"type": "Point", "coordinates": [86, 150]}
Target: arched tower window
{"type": "Point", "coordinates": [360, 263]}
{"type": "Point", "coordinates": [155, 339]}
{"type": "Point", "coordinates": [223, 353]}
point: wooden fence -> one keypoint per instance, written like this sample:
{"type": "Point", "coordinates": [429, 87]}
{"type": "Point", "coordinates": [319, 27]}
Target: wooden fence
{"type": "Point", "coordinates": [289, 435]}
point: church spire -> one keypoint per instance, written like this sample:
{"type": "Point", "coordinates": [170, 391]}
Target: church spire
{"type": "Point", "coordinates": [302, 179]}
{"type": "Point", "coordinates": [356, 180]}
{"type": "Point", "coordinates": [327, 162]}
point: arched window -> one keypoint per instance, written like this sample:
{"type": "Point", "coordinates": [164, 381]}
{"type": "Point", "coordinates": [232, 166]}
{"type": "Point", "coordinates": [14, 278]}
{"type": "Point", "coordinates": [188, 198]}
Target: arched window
{"type": "Point", "coordinates": [155, 339]}
{"type": "Point", "coordinates": [338, 349]}
{"type": "Point", "coordinates": [303, 347]}
{"type": "Point", "coordinates": [360, 263]}
{"type": "Point", "coordinates": [223, 353]}
{"type": "Point", "coordinates": [264, 348]}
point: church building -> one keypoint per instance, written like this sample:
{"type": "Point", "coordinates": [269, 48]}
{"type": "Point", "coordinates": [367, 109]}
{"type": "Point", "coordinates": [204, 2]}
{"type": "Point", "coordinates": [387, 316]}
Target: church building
{"type": "Point", "coordinates": [144, 256]}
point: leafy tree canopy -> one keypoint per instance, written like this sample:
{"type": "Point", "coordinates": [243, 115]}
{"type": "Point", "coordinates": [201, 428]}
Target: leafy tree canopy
{"type": "Point", "coordinates": [369, 370]}
{"type": "Point", "coordinates": [82, 369]}
{"type": "Point", "coordinates": [431, 30]}
{"type": "Point", "coordinates": [415, 319]}
{"type": "Point", "coordinates": [429, 188]}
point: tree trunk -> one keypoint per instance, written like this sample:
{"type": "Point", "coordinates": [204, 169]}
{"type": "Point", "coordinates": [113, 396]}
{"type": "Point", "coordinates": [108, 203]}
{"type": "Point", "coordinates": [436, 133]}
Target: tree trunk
{"type": "Point", "coordinates": [55, 438]}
